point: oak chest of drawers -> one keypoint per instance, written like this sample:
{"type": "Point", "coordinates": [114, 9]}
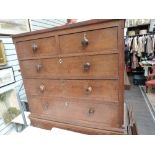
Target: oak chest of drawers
{"type": "Point", "coordinates": [73, 76]}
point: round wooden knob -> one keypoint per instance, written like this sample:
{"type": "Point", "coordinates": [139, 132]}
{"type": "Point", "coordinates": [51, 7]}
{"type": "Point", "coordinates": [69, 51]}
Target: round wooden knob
{"type": "Point", "coordinates": [91, 111]}
{"type": "Point", "coordinates": [89, 90]}
{"type": "Point", "coordinates": [38, 67]}
{"type": "Point", "coordinates": [86, 66]}
{"type": "Point", "coordinates": [34, 47]}
{"type": "Point", "coordinates": [84, 41]}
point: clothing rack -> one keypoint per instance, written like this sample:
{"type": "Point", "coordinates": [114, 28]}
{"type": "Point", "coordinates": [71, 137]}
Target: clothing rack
{"type": "Point", "coordinates": [140, 50]}
{"type": "Point", "coordinates": [151, 33]}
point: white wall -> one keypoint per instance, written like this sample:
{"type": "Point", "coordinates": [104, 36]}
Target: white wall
{"type": "Point", "coordinates": [12, 61]}
{"type": "Point", "coordinates": [38, 24]}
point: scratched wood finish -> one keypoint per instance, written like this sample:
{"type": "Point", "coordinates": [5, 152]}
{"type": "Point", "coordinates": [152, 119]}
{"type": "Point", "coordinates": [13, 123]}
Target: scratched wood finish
{"type": "Point", "coordinates": [106, 90]}
{"type": "Point", "coordinates": [98, 40]}
{"type": "Point", "coordinates": [76, 111]}
{"type": "Point", "coordinates": [104, 66]}
{"type": "Point", "coordinates": [49, 124]}
{"type": "Point", "coordinates": [44, 47]}
{"type": "Point", "coordinates": [74, 76]}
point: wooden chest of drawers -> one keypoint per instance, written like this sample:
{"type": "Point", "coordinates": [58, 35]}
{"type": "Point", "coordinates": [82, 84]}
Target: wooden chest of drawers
{"type": "Point", "coordinates": [73, 76]}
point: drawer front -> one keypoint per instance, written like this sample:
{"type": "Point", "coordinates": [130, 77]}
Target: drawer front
{"type": "Point", "coordinates": [40, 68]}
{"type": "Point", "coordinates": [75, 111]}
{"type": "Point", "coordinates": [37, 48]}
{"type": "Point", "coordinates": [96, 66]}
{"type": "Point", "coordinates": [106, 90]}
{"type": "Point", "coordinates": [89, 41]}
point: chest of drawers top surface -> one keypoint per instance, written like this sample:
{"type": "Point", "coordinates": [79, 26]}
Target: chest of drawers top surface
{"type": "Point", "coordinates": [73, 74]}
{"type": "Point", "coordinates": [76, 27]}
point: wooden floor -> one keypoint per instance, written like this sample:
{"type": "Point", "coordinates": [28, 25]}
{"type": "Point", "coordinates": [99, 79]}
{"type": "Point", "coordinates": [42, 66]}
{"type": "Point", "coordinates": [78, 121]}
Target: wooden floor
{"type": "Point", "coordinates": [143, 117]}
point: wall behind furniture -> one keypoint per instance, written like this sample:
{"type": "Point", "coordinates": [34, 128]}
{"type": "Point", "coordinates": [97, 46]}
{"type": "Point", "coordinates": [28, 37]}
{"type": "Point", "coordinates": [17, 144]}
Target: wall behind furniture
{"type": "Point", "coordinates": [38, 24]}
{"type": "Point", "coordinates": [12, 60]}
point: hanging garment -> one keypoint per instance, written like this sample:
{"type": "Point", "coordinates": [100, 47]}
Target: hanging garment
{"type": "Point", "coordinates": [145, 43]}
{"type": "Point", "coordinates": [153, 43]}
{"type": "Point", "coordinates": [135, 45]}
{"type": "Point", "coordinates": [149, 45]}
{"type": "Point", "coordinates": [127, 55]}
{"type": "Point", "coordinates": [128, 42]}
{"type": "Point", "coordinates": [131, 44]}
{"type": "Point", "coordinates": [141, 41]}
{"type": "Point", "coordinates": [135, 63]}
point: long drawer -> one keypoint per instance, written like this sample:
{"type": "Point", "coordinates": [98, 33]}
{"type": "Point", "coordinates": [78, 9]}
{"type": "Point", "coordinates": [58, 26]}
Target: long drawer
{"type": "Point", "coordinates": [94, 66]}
{"type": "Point", "coordinates": [76, 111]}
{"type": "Point", "coordinates": [106, 90]}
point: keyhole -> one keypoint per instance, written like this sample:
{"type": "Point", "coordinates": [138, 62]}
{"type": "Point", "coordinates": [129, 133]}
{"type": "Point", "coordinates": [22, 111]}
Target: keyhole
{"type": "Point", "coordinates": [60, 61]}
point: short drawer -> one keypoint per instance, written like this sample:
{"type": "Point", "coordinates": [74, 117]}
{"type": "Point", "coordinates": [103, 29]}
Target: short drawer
{"type": "Point", "coordinates": [90, 41]}
{"type": "Point", "coordinates": [36, 48]}
{"type": "Point", "coordinates": [76, 111]}
{"type": "Point", "coordinates": [106, 90]}
{"type": "Point", "coordinates": [96, 66]}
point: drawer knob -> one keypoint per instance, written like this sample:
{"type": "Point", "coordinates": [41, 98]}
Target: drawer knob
{"type": "Point", "coordinates": [89, 90]}
{"type": "Point", "coordinates": [86, 66]}
{"type": "Point", "coordinates": [84, 41]}
{"type": "Point", "coordinates": [34, 47]}
{"type": "Point", "coordinates": [38, 67]}
{"type": "Point", "coordinates": [91, 111]}
{"type": "Point", "coordinates": [42, 88]}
